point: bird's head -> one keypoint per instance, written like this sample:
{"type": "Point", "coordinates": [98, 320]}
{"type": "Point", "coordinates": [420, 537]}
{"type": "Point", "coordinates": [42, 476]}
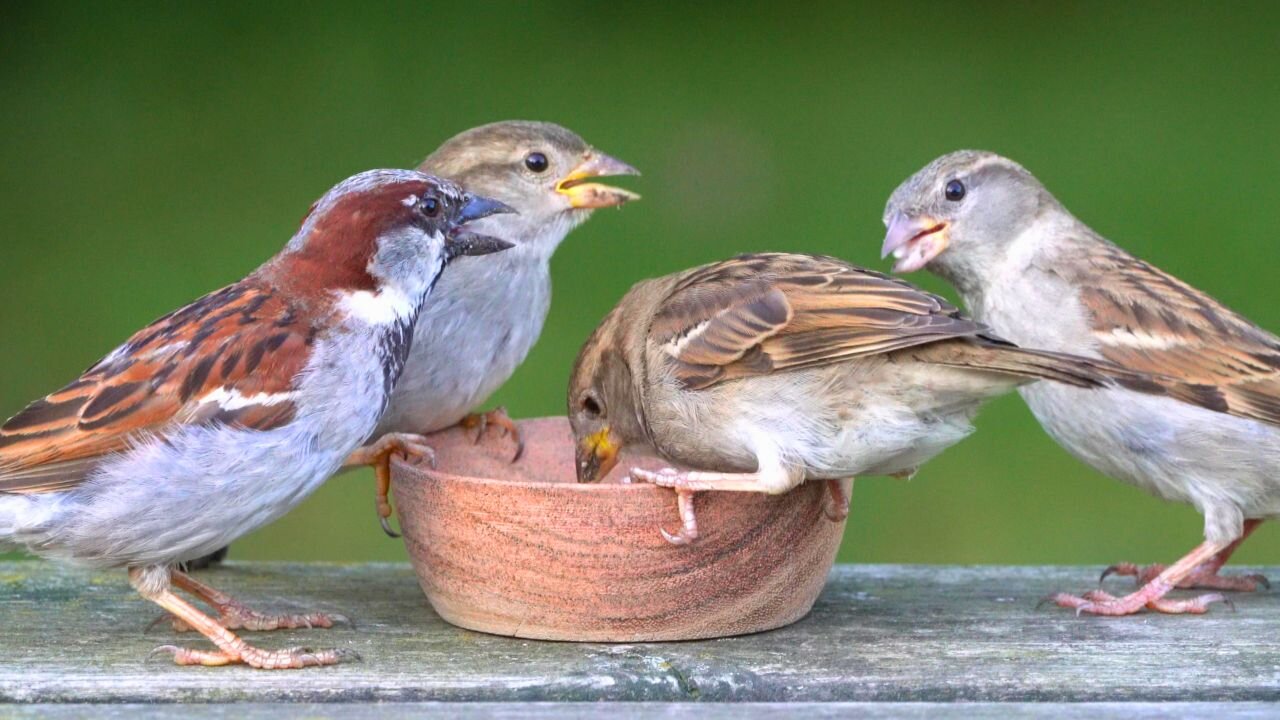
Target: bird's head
{"type": "Point", "coordinates": [544, 171]}
{"type": "Point", "coordinates": [385, 230]}
{"type": "Point", "coordinates": [604, 410]}
{"type": "Point", "coordinates": [960, 210]}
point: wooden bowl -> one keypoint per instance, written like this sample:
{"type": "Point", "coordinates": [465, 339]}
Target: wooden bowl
{"type": "Point", "coordinates": [525, 551]}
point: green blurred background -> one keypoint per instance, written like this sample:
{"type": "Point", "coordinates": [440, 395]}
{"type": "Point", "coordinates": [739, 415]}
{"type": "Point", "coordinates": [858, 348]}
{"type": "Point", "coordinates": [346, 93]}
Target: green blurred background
{"type": "Point", "coordinates": [153, 152]}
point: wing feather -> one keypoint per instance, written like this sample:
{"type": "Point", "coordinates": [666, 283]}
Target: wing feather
{"type": "Point", "coordinates": [1147, 320]}
{"type": "Point", "coordinates": [760, 313]}
{"type": "Point", "coordinates": [229, 358]}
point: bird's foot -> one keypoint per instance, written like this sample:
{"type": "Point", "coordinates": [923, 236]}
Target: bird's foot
{"type": "Point", "coordinates": [496, 418]}
{"type": "Point", "coordinates": [1100, 602]}
{"type": "Point", "coordinates": [291, 658]}
{"type": "Point", "coordinates": [1205, 577]}
{"type": "Point", "coordinates": [688, 520]}
{"type": "Point", "coordinates": [378, 455]}
{"type": "Point", "coordinates": [669, 477]}
{"type": "Point", "coordinates": [838, 509]}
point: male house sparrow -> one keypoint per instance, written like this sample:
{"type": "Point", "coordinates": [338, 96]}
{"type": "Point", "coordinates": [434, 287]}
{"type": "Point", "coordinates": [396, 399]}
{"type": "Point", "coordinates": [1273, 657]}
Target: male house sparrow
{"type": "Point", "coordinates": [220, 417]}
{"type": "Point", "coordinates": [487, 315]}
{"type": "Point", "coordinates": [1038, 276]}
{"type": "Point", "coordinates": [777, 368]}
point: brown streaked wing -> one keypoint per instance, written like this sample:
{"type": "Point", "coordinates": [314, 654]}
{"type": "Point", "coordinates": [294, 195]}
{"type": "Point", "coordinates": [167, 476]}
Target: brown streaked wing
{"type": "Point", "coordinates": [760, 313]}
{"type": "Point", "coordinates": [243, 342]}
{"type": "Point", "coordinates": [1147, 320]}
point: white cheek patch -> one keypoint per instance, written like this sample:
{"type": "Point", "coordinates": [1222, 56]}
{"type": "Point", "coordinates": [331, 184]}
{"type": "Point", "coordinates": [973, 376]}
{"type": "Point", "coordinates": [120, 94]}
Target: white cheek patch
{"type": "Point", "coordinates": [387, 306]}
{"type": "Point", "coordinates": [229, 399]}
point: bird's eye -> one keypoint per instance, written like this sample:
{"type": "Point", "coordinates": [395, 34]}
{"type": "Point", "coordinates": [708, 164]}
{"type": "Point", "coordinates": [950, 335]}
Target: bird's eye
{"type": "Point", "coordinates": [954, 191]}
{"type": "Point", "coordinates": [592, 406]}
{"type": "Point", "coordinates": [430, 206]}
{"type": "Point", "coordinates": [536, 161]}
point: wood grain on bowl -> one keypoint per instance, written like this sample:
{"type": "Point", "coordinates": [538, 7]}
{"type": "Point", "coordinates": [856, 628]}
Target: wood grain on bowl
{"type": "Point", "coordinates": [523, 550]}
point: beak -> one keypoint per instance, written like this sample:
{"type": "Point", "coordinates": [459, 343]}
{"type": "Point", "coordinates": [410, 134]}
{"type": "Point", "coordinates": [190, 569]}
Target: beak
{"type": "Point", "coordinates": [596, 455]}
{"type": "Point", "coordinates": [589, 195]}
{"type": "Point", "coordinates": [463, 242]}
{"type": "Point", "coordinates": [478, 207]}
{"type": "Point", "coordinates": [914, 241]}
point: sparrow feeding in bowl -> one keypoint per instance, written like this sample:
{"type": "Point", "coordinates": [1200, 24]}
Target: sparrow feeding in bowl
{"type": "Point", "coordinates": [1038, 276]}
{"type": "Point", "coordinates": [771, 369]}
{"type": "Point", "coordinates": [223, 415]}
{"type": "Point", "coordinates": [487, 314]}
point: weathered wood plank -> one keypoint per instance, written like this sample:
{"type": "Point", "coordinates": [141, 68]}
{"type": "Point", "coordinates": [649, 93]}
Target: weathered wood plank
{"type": "Point", "coordinates": [878, 633]}
{"type": "Point", "coordinates": [658, 711]}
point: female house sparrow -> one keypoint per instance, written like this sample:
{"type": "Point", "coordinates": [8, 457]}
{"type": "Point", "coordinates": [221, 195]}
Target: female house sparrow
{"type": "Point", "coordinates": [782, 367]}
{"type": "Point", "coordinates": [218, 418]}
{"type": "Point", "coordinates": [1039, 276]}
{"type": "Point", "coordinates": [487, 314]}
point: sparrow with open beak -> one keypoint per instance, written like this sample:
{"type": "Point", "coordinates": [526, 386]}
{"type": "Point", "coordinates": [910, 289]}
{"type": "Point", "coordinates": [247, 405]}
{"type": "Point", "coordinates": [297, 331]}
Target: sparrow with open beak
{"type": "Point", "coordinates": [1038, 276]}
{"type": "Point", "coordinates": [766, 370]}
{"type": "Point", "coordinates": [488, 315]}
{"type": "Point", "coordinates": [222, 416]}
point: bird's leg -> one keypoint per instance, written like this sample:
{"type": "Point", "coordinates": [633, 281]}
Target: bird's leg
{"type": "Point", "coordinates": [1152, 594]}
{"type": "Point", "coordinates": [1206, 575]}
{"type": "Point", "coordinates": [772, 478]}
{"type": "Point", "coordinates": [496, 418]}
{"type": "Point", "coordinates": [231, 648]}
{"type": "Point", "coordinates": [378, 455]}
{"type": "Point", "coordinates": [233, 615]}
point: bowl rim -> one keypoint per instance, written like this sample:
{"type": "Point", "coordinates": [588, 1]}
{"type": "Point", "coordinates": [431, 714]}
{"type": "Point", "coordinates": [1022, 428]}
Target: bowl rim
{"type": "Point", "coordinates": [398, 462]}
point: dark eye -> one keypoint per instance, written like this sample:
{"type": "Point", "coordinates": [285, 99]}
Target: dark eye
{"type": "Point", "coordinates": [592, 406]}
{"type": "Point", "coordinates": [430, 206]}
{"type": "Point", "coordinates": [536, 162]}
{"type": "Point", "coordinates": [954, 191]}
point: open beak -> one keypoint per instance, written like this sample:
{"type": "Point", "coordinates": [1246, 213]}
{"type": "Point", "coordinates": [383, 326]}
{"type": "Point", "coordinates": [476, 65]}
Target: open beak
{"type": "Point", "coordinates": [464, 242]}
{"type": "Point", "coordinates": [596, 455]}
{"type": "Point", "coordinates": [914, 241]}
{"type": "Point", "coordinates": [588, 195]}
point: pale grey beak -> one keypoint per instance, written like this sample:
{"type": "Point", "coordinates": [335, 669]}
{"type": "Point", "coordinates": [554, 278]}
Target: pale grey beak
{"type": "Point", "coordinates": [913, 241]}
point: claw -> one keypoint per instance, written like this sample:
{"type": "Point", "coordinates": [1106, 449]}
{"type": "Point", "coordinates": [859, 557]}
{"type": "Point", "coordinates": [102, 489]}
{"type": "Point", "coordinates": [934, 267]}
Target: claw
{"type": "Point", "coordinates": [386, 527]}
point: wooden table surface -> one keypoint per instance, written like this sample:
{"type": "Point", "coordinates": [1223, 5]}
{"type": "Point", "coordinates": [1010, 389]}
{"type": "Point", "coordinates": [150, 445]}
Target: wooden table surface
{"type": "Point", "coordinates": [878, 635]}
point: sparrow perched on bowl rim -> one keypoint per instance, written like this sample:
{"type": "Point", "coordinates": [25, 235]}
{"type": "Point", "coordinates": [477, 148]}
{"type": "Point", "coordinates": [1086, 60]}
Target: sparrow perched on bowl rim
{"type": "Point", "coordinates": [1039, 276]}
{"type": "Point", "coordinates": [767, 370]}
{"type": "Point", "coordinates": [488, 314]}
{"type": "Point", "coordinates": [221, 416]}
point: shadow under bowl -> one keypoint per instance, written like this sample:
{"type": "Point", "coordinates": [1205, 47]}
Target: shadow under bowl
{"type": "Point", "coordinates": [521, 549]}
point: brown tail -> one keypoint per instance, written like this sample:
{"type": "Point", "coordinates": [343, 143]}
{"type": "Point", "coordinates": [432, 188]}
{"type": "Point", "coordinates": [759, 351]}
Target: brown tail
{"type": "Point", "coordinates": [1075, 370]}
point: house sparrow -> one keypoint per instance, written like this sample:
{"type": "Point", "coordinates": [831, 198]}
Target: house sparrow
{"type": "Point", "coordinates": [487, 315]}
{"type": "Point", "coordinates": [1038, 276]}
{"type": "Point", "coordinates": [220, 417]}
{"type": "Point", "coordinates": [766, 370]}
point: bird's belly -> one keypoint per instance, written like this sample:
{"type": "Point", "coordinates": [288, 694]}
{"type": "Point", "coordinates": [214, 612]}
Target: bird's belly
{"type": "Point", "coordinates": [460, 357]}
{"type": "Point", "coordinates": [1171, 449]}
{"type": "Point", "coordinates": [894, 442]}
{"type": "Point", "coordinates": [183, 498]}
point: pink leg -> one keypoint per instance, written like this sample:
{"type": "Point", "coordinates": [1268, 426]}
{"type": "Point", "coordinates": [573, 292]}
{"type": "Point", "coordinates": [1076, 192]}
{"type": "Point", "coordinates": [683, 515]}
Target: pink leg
{"type": "Point", "coordinates": [685, 483]}
{"type": "Point", "coordinates": [1150, 595]}
{"type": "Point", "coordinates": [1206, 575]}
